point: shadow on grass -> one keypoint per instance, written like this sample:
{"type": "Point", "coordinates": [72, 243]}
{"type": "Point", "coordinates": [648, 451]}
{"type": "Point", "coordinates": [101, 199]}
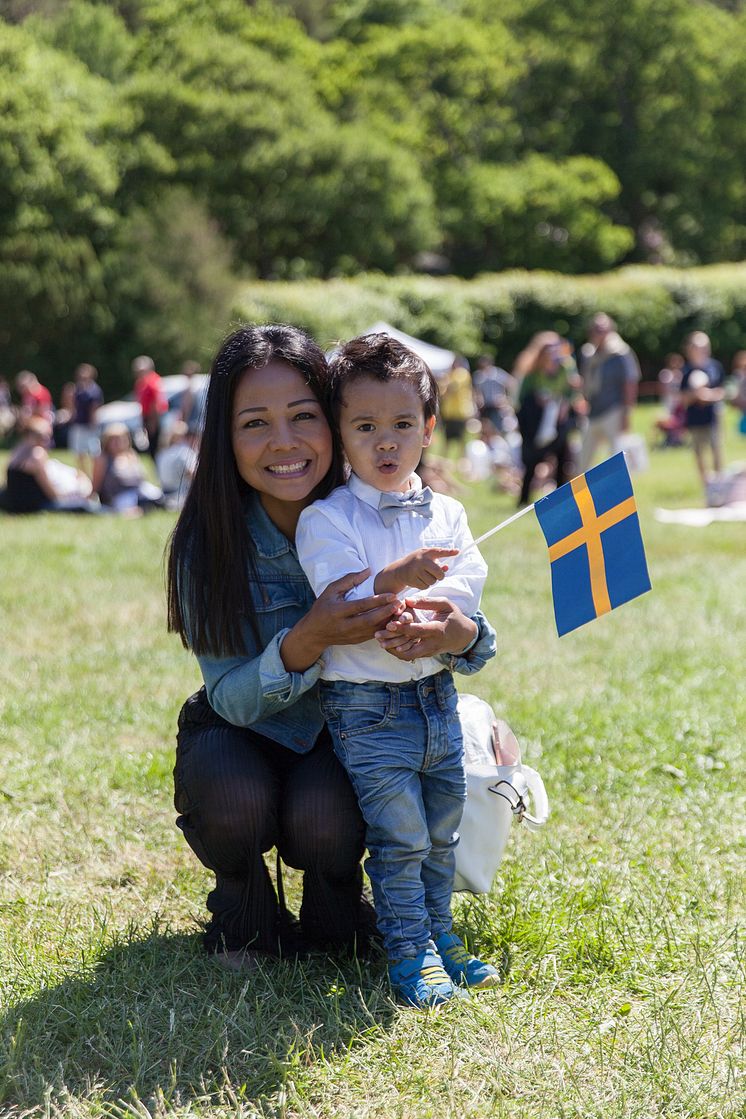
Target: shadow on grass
{"type": "Point", "coordinates": [156, 1020]}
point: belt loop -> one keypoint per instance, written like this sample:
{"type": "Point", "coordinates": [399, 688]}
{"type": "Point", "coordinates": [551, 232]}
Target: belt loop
{"type": "Point", "coordinates": [440, 690]}
{"type": "Point", "coordinates": [394, 700]}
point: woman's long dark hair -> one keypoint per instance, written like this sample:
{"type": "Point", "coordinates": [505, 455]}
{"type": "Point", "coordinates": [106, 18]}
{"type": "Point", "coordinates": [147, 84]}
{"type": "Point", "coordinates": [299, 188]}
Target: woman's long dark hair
{"type": "Point", "coordinates": [210, 553]}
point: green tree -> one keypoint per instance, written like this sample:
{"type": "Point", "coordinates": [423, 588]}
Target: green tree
{"type": "Point", "coordinates": [443, 89]}
{"type": "Point", "coordinates": [355, 20]}
{"type": "Point", "coordinates": [93, 33]}
{"type": "Point", "coordinates": [57, 184]}
{"type": "Point", "coordinates": [537, 213]}
{"type": "Point", "coordinates": [168, 277]}
{"type": "Point", "coordinates": [641, 87]}
{"type": "Point", "coordinates": [294, 192]}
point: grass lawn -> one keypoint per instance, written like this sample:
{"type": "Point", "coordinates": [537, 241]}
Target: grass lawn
{"type": "Point", "coordinates": [620, 926]}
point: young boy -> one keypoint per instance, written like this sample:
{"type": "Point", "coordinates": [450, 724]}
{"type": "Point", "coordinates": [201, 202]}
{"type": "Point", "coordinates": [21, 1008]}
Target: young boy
{"type": "Point", "coordinates": [393, 722]}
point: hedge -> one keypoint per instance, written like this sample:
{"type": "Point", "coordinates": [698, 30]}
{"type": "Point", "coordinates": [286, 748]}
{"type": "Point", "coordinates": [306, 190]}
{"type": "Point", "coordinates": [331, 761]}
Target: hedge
{"type": "Point", "coordinates": [655, 307]}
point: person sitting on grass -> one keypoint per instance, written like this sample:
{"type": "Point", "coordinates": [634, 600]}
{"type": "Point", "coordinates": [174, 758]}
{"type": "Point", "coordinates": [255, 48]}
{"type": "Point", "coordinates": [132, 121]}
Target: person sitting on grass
{"type": "Point", "coordinates": [37, 483]}
{"type": "Point", "coordinates": [119, 478]}
{"type": "Point", "coordinates": [394, 724]}
{"type": "Point", "coordinates": [176, 463]}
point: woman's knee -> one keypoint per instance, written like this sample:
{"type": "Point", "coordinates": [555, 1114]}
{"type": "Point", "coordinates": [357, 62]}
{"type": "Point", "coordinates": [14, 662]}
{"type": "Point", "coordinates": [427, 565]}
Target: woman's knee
{"type": "Point", "coordinates": [239, 815]}
{"type": "Point", "coordinates": [225, 790]}
{"type": "Point", "coordinates": [321, 825]}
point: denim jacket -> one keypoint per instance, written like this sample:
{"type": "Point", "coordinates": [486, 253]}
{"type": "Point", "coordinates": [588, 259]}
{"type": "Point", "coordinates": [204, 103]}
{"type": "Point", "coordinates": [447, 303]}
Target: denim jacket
{"type": "Point", "coordinates": [256, 690]}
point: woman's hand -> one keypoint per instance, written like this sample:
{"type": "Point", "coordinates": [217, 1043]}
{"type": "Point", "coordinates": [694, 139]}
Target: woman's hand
{"type": "Point", "coordinates": [448, 631]}
{"type": "Point", "coordinates": [335, 620]}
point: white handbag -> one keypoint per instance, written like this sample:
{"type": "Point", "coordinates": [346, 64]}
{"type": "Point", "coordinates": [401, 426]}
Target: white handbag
{"type": "Point", "coordinates": [499, 789]}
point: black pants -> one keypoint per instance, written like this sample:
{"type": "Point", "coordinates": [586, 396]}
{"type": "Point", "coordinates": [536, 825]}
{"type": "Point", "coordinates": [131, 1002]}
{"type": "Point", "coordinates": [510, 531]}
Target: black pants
{"type": "Point", "coordinates": [238, 795]}
{"type": "Point", "coordinates": [154, 435]}
{"type": "Point", "coordinates": [533, 455]}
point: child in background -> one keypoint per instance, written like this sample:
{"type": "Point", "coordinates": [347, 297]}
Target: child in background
{"type": "Point", "coordinates": [176, 464]}
{"type": "Point", "coordinates": [394, 722]}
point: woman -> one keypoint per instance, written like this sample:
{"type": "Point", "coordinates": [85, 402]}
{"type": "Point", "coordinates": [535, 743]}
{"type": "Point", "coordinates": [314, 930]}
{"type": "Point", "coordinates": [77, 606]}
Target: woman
{"type": "Point", "coordinates": [37, 483]}
{"type": "Point", "coordinates": [254, 765]}
{"type": "Point", "coordinates": [548, 381]}
{"type": "Point", "coordinates": [118, 475]}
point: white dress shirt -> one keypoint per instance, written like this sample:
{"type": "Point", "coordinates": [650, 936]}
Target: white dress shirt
{"type": "Point", "coordinates": [345, 532]}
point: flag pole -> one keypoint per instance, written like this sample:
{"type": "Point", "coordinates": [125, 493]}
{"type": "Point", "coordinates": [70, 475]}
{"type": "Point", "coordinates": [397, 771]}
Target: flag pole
{"type": "Point", "coordinates": [503, 524]}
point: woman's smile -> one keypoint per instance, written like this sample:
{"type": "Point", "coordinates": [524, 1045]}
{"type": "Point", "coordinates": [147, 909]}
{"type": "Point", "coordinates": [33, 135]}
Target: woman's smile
{"type": "Point", "coordinates": [289, 468]}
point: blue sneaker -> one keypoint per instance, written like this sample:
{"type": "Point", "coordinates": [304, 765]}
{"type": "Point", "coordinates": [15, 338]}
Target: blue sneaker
{"type": "Point", "coordinates": [422, 981]}
{"type": "Point", "coordinates": [461, 966]}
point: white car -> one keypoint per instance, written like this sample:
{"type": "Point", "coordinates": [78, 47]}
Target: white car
{"type": "Point", "coordinates": [127, 411]}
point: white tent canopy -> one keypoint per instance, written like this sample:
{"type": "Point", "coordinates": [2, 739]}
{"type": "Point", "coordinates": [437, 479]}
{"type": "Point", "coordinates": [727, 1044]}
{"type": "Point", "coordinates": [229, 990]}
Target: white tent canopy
{"type": "Point", "coordinates": [440, 361]}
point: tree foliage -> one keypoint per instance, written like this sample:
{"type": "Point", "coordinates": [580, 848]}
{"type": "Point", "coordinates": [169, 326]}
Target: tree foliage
{"type": "Point", "coordinates": [168, 271]}
{"type": "Point", "coordinates": [318, 138]}
{"type": "Point", "coordinates": [652, 90]}
{"type": "Point", "coordinates": [551, 212]}
{"type": "Point", "coordinates": [57, 183]}
{"type": "Point", "coordinates": [294, 191]}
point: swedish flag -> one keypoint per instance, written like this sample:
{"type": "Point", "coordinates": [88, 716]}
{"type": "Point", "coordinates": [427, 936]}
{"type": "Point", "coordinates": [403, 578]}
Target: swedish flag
{"type": "Point", "coordinates": [595, 545]}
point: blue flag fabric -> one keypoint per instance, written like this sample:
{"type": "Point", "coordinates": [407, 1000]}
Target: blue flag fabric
{"type": "Point", "coordinates": [595, 545]}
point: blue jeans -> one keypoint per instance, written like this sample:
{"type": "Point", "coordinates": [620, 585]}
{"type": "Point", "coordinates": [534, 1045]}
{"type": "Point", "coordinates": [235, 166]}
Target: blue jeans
{"type": "Point", "coordinates": [402, 748]}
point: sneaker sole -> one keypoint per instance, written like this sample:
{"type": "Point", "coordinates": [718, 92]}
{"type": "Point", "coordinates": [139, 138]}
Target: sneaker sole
{"type": "Point", "coordinates": [460, 994]}
{"type": "Point", "coordinates": [461, 984]}
{"type": "Point", "coordinates": [488, 981]}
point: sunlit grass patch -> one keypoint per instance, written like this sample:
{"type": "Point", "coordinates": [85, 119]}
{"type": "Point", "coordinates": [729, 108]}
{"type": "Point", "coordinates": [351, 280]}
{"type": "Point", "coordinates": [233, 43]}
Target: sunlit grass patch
{"type": "Point", "coordinates": [618, 929]}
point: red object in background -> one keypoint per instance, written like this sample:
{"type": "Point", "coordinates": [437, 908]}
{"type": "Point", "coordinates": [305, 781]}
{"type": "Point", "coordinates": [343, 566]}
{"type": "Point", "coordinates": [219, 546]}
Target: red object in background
{"type": "Point", "coordinates": [150, 395]}
{"type": "Point", "coordinates": [38, 400]}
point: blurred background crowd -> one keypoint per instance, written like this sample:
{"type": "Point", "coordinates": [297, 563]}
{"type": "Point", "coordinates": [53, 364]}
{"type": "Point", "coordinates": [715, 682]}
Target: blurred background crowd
{"type": "Point", "coordinates": [168, 167]}
{"type": "Point", "coordinates": [108, 442]}
{"type": "Point", "coordinates": [488, 176]}
{"type": "Point", "coordinates": [553, 414]}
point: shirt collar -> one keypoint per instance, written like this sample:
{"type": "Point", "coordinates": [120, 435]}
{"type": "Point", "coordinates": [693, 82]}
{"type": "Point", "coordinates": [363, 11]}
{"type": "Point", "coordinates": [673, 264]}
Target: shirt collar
{"type": "Point", "coordinates": [371, 496]}
{"type": "Point", "coordinates": [268, 540]}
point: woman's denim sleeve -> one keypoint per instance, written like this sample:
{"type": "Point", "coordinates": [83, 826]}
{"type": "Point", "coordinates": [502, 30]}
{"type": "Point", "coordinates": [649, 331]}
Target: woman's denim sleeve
{"type": "Point", "coordinates": [476, 655]}
{"type": "Point", "coordinates": [245, 690]}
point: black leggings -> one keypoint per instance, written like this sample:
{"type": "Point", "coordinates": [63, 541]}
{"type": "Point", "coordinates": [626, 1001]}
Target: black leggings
{"type": "Point", "coordinates": [533, 455]}
{"type": "Point", "coordinates": [238, 795]}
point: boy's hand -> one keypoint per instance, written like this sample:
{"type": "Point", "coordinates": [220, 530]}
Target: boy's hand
{"type": "Point", "coordinates": [418, 569]}
{"type": "Point", "coordinates": [402, 616]}
{"type": "Point", "coordinates": [448, 631]}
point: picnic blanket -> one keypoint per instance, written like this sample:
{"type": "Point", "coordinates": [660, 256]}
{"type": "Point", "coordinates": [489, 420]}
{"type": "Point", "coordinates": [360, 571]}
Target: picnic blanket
{"type": "Point", "coordinates": [698, 518]}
